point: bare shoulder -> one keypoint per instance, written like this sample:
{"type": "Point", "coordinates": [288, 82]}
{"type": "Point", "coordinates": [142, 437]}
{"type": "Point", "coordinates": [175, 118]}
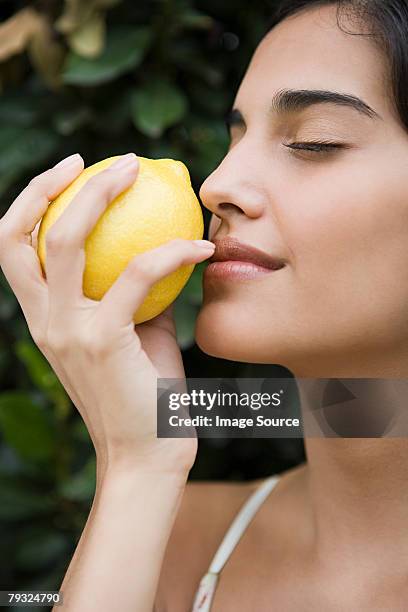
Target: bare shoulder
{"type": "Point", "coordinates": [206, 511]}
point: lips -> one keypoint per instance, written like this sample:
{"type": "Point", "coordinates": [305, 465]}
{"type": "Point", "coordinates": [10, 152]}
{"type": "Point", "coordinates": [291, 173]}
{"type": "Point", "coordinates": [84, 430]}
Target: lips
{"type": "Point", "coordinates": [231, 249]}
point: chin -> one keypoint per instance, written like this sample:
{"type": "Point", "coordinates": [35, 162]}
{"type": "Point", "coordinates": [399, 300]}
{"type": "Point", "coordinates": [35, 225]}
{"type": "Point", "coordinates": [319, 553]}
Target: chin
{"type": "Point", "coordinates": [220, 333]}
{"type": "Point", "coordinates": [231, 333]}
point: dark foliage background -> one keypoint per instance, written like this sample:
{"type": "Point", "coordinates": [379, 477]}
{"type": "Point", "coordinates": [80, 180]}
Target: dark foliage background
{"type": "Point", "coordinates": [102, 78]}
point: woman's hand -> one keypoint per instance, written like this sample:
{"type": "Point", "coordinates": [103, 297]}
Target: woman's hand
{"type": "Point", "coordinates": [108, 366]}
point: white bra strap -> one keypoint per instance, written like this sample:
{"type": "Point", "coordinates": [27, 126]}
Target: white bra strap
{"type": "Point", "coordinates": [239, 524]}
{"type": "Point", "coordinates": [205, 593]}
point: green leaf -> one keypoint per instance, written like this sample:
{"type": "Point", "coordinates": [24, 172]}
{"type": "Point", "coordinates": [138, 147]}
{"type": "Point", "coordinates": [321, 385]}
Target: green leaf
{"type": "Point", "coordinates": [38, 367]}
{"type": "Point", "coordinates": [68, 121]}
{"type": "Point", "coordinates": [165, 149]}
{"type": "Point", "coordinates": [193, 290]}
{"type": "Point", "coordinates": [124, 50]}
{"type": "Point", "coordinates": [106, 3]}
{"type": "Point", "coordinates": [8, 302]}
{"type": "Point", "coordinates": [79, 431]}
{"type": "Point", "coordinates": [22, 149]}
{"type": "Point", "coordinates": [89, 39]}
{"type": "Point", "coordinates": [193, 19]}
{"type": "Point", "coordinates": [25, 426]}
{"type": "Point", "coordinates": [208, 100]}
{"type": "Point", "coordinates": [113, 114]}
{"type": "Point", "coordinates": [43, 376]}
{"type": "Point", "coordinates": [18, 110]}
{"type": "Point", "coordinates": [39, 547]}
{"type": "Point", "coordinates": [185, 315]}
{"type": "Point", "coordinates": [157, 106]}
{"type": "Point", "coordinates": [5, 360]}
{"type": "Point", "coordinates": [18, 501]}
{"type": "Point", "coordinates": [185, 55]}
{"type": "Point", "coordinates": [10, 463]}
{"type": "Point", "coordinates": [7, 179]}
{"type": "Point", "coordinates": [81, 486]}
{"type": "Point", "coordinates": [210, 141]}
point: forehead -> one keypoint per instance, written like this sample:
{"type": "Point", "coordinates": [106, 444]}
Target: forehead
{"type": "Point", "coordinates": [309, 51]}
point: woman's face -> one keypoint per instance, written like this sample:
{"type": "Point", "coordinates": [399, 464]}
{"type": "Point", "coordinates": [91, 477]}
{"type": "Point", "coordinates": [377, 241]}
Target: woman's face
{"type": "Point", "coordinates": [339, 218]}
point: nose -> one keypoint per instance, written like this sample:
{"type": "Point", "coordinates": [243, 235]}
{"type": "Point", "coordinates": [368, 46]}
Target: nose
{"type": "Point", "coordinates": [232, 191]}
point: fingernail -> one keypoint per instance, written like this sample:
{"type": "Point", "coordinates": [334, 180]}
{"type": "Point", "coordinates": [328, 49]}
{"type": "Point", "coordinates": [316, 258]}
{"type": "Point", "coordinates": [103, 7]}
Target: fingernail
{"type": "Point", "coordinates": [125, 160]}
{"type": "Point", "coordinates": [68, 160]}
{"type": "Point", "coordinates": [206, 244]}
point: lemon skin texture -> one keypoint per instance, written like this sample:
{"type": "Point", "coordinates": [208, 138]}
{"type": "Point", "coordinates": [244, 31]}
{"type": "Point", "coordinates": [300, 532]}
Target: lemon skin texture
{"type": "Point", "coordinates": [160, 205]}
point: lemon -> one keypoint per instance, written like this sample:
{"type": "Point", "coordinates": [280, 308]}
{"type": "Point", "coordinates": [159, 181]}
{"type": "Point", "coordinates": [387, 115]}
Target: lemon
{"type": "Point", "coordinates": [160, 205]}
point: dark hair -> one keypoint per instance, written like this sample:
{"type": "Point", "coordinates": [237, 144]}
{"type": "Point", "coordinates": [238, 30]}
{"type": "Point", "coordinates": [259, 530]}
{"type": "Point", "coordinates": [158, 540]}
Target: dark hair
{"type": "Point", "coordinates": [387, 22]}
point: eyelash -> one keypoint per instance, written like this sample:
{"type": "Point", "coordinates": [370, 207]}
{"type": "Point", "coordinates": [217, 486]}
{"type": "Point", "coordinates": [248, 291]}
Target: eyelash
{"type": "Point", "coordinates": [315, 147]}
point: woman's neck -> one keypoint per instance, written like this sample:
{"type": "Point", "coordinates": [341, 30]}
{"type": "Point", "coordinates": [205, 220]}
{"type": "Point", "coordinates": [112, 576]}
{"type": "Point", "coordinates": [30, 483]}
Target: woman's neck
{"type": "Point", "coordinates": [356, 489]}
{"type": "Point", "coordinates": [358, 496]}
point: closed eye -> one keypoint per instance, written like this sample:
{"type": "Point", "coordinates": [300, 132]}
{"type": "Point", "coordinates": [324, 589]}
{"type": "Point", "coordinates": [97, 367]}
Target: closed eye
{"type": "Point", "coordinates": [316, 147]}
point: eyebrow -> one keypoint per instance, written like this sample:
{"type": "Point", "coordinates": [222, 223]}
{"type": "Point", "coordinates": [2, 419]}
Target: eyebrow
{"type": "Point", "coordinates": [296, 100]}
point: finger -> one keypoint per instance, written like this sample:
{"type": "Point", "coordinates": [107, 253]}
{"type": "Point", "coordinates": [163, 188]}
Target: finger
{"type": "Point", "coordinates": [65, 240]}
{"type": "Point", "coordinates": [18, 259]}
{"type": "Point", "coordinates": [124, 297]}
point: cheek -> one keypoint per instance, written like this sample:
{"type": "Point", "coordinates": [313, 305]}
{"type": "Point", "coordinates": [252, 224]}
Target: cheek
{"type": "Point", "coordinates": [351, 219]}
{"type": "Point", "coordinates": [346, 232]}
{"type": "Point", "coordinates": [349, 237]}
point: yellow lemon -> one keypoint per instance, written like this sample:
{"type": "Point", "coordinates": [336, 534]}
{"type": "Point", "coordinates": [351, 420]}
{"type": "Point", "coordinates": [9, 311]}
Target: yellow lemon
{"type": "Point", "coordinates": [160, 205]}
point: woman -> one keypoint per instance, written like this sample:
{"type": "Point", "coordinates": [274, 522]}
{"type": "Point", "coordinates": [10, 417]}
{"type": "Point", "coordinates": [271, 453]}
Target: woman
{"type": "Point", "coordinates": [316, 175]}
